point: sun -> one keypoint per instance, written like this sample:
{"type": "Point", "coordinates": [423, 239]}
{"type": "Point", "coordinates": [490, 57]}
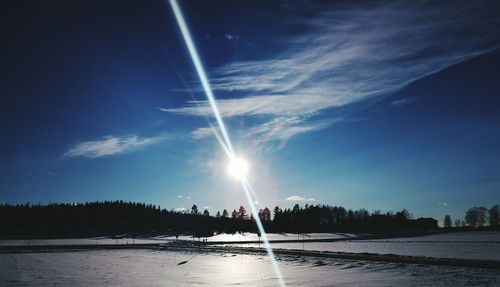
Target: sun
{"type": "Point", "coordinates": [238, 168]}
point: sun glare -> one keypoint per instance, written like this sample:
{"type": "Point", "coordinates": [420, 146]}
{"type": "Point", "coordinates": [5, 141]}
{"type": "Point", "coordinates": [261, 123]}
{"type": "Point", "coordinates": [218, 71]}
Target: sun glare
{"type": "Point", "coordinates": [238, 168]}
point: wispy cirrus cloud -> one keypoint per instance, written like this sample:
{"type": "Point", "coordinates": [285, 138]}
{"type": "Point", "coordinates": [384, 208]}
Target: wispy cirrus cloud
{"type": "Point", "coordinates": [278, 128]}
{"type": "Point", "coordinates": [278, 105]}
{"type": "Point", "coordinates": [351, 52]}
{"type": "Point", "coordinates": [299, 198]}
{"type": "Point", "coordinates": [283, 129]}
{"type": "Point", "coordinates": [203, 132]}
{"type": "Point", "coordinates": [110, 145]}
{"type": "Point", "coordinates": [402, 102]}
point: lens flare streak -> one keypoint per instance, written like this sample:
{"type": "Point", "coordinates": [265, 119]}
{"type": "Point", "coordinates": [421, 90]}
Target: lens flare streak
{"type": "Point", "coordinates": [246, 188]}
{"type": "Point", "coordinates": [226, 143]}
{"type": "Point", "coordinates": [199, 69]}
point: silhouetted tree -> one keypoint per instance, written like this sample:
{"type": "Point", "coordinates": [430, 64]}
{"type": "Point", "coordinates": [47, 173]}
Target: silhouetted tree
{"type": "Point", "coordinates": [224, 213]}
{"type": "Point", "coordinates": [494, 215]}
{"type": "Point", "coordinates": [119, 217]}
{"type": "Point", "coordinates": [265, 214]}
{"type": "Point", "coordinates": [482, 215]}
{"type": "Point", "coordinates": [218, 214]}
{"type": "Point", "coordinates": [277, 212]}
{"type": "Point", "coordinates": [242, 213]}
{"type": "Point", "coordinates": [471, 217]}
{"type": "Point", "coordinates": [458, 223]}
{"type": "Point", "coordinates": [476, 216]}
{"type": "Point", "coordinates": [194, 209]}
{"type": "Point", "coordinates": [447, 221]}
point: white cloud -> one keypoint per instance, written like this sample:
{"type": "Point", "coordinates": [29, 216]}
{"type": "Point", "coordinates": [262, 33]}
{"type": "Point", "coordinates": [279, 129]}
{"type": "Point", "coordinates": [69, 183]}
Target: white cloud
{"type": "Point", "coordinates": [350, 53]}
{"type": "Point", "coordinates": [277, 105]}
{"type": "Point", "coordinates": [443, 203]}
{"type": "Point", "coordinates": [180, 209]}
{"type": "Point", "coordinates": [204, 132]}
{"type": "Point", "coordinates": [295, 198]}
{"type": "Point", "coordinates": [179, 196]}
{"type": "Point", "coordinates": [110, 145]}
{"type": "Point", "coordinates": [52, 173]}
{"type": "Point", "coordinates": [402, 102]}
{"type": "Point", "coordinates": [280, 129]}
{"type": "Point", "coordinates": [232, 38]}
{"type": "Point", "coordinates": [299, 198]}
{"type": "Point", "coordinates": [284, 128]}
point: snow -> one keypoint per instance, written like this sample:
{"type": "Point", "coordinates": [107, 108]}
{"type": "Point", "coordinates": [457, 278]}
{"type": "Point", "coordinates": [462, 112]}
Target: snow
{"type": "Point", "coordinates": [78, 241]}
{"type": "Point", "coordinates": [164, 238]}
{"type": "Point", "coordinates": [141, 267]}
{"type": "Point", "coordinates": [467, 245]}
{"type": "Point", "coordinates": [471, 236]}
{"type": "Point", "coordinates": [254, 237]}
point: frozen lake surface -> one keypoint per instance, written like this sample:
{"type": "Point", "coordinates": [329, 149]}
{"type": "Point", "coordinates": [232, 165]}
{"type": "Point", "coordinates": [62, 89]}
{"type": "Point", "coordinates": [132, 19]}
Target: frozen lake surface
{"type": "Point", "coordinates": [140, 267]}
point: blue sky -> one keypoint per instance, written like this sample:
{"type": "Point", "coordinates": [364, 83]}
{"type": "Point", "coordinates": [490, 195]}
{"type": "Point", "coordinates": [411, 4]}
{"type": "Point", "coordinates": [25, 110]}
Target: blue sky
{"type": "Point", "coordinates": [380, 105]}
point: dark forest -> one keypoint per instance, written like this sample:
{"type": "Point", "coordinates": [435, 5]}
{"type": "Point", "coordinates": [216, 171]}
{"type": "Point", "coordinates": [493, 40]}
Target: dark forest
{"type": "Point", "coordinates": [136, 219]}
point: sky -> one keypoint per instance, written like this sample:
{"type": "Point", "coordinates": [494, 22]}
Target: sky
{"type": "Point", "coordinates": [377, 105]}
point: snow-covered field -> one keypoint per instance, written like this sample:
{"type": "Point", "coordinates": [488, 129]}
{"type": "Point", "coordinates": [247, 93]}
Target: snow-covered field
{"type": "Point", "coordinates": [467, 245]}
{"type": "Point", "coordinates": [168, 238]}
{"type": "Point", "coordinates": [141, 267]}
{"type": "Point", "coordinates": [271, 236]}
{"type": "Point", "coordinates": [78, 241]}
{"type": "Point", "coordinates": [471, 236]}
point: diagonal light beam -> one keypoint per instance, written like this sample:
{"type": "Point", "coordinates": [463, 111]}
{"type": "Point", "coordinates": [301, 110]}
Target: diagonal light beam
{"type": "Point", "coordinates": [201, 72]}
{"type": "Point", "coordinates": [226, 144]}
{"type": "Point", "coordinates": [246, 188]}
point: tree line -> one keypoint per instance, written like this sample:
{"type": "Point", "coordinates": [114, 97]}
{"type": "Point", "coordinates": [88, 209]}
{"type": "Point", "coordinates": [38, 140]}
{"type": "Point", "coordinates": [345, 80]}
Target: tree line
{"type": "Point", "coordinates": [132, 218]}
{"type": "Point", "coordinates": [475, 217]}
